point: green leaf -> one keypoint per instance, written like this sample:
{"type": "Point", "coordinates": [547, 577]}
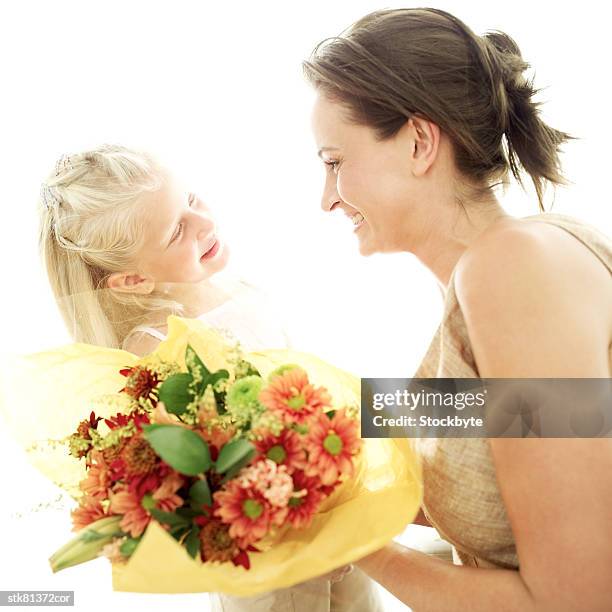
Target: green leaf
{"type": "Point", "coordinates": [188, 513]}
{"type": "Point", "coordinates": [238, 466]}
{"type": "Point", "coordinates": [192, 542]}
{"type": "Point", "coordinates": [220, 399]}
{"type": "Point", "coordinates": [175, 393]}
{"type": "Point", "coordinates": [200, 492]}
{"type": "Point", "coordinates": [217, 376]}
{"type": "Point", "coordinates": [232, 453]}
{"type": "Point", "coordinates": [129, 546]}
{"type": "Point", "coordinates": [182, 449]}
{"type": "Point", "coordinates": [169, 518]}
{"type": "Point", "coordinates": [178, 532]}
{"type": "Point", "coordinates": [197, 369]}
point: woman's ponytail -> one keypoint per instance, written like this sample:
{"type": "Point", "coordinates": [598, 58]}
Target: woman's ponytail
{"type": "Point", "coordinates": [530, 142]}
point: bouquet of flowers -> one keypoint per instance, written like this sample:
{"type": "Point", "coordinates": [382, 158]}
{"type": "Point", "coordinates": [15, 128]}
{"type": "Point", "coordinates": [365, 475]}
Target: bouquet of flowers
{"type": "Point", "coordinates": [218, 463]}
{"type": "Point", "coordinates": [211, 470]}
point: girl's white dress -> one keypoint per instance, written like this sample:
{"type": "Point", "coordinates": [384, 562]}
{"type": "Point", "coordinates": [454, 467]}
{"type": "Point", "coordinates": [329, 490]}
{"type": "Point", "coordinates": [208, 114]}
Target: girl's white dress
{"type": "Point", "coordinates": [252, 320]}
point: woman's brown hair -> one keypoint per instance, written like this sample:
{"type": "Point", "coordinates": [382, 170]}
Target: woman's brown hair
{"type": "Point", "coordinates": [394, 63]}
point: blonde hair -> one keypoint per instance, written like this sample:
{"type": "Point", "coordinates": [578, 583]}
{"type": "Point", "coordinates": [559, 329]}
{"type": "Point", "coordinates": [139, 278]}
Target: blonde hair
{"type": "Point", "coordinates": [91, 225]}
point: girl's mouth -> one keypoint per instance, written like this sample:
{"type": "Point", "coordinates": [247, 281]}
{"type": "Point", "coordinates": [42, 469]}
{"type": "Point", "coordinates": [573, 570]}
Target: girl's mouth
{"type": "Point", "coordinates": [212, 251]}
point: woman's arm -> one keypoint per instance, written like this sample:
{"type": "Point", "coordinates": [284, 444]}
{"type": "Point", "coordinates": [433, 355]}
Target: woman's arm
{"type": "Point", "coordinates": [548, 316]}
{"type": "Point", "coordinates": [428, 584]}
{"type": "Point", "coordinates": [529, 322]}
{"type": "Point", "coordinates": [421, 519]}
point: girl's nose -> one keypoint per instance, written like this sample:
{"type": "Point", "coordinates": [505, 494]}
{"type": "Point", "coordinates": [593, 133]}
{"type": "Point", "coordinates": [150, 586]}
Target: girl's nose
{"type": "Point", "coordinates": [206, 226]}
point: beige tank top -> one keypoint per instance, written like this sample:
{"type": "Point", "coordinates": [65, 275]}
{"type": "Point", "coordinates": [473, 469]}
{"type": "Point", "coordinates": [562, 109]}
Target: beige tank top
{"type": "Point", "coordinates": [461, 497]}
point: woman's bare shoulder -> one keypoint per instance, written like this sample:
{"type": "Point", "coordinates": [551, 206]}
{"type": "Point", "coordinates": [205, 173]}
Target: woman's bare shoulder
{"type": "Point", "coordinates": [532, 260]}
{"type": "Point", "coordinates": [539, 244]}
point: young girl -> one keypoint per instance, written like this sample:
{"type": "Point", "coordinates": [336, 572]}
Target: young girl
{"type": "Point", "coordinates": [124, 246]}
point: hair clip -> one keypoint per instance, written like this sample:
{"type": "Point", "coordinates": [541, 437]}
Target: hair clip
{"type": "Point", "coordinates": [62, 164]}
{"type": "Point", "coordinates": [47, 197]}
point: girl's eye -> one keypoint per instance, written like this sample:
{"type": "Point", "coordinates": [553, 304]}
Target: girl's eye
{"type": "Point", "coordinates": [192, 200]}
{"type": "Point", "coordinates": [332, 164]}
{"type": "Point", "coordinates": [177, 235]}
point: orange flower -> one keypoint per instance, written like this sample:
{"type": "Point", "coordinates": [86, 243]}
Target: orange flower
{"type": "Point", "coordinates": [166, 495]}
{"type": "Point", "coordinates": [89, 510]}
{"type": "Point", "coordinates": [293, 397]}
{"type": "Point", "coordinates": [217, 436]}
{"type": "Point", "coordinates": [135, 517]}
{"type": "Point", "coordinates": [245, 511]}
{"type": "Point", "coordinates": [331, 444]}
{"type": "Point", "coordinates": [132, 507]}
{"type": "Point", "coordinates": [98, 479]}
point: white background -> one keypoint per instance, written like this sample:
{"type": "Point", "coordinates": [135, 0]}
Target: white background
{"type": "Point", "coordinates": [216, 90]}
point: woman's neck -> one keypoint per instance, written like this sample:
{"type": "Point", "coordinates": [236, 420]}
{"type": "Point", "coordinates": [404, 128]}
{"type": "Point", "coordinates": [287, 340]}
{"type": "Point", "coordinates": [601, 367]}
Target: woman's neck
{"type": "Point", "coordinates": [448, 241]}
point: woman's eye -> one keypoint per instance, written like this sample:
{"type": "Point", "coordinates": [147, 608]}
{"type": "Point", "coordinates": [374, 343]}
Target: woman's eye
{"type": "Point", "coordinates": [332, 164]}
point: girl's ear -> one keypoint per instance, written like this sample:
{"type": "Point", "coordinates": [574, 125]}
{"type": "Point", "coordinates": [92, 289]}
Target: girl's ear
{"type": "Point", "coordinates": [130, 283]}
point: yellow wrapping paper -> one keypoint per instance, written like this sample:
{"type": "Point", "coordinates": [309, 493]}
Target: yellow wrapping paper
{"type": "Point", "coordinates": [45, 395]}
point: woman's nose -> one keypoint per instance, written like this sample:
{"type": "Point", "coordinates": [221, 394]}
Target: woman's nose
{"type": "Point", "coordinates": [330, 197]}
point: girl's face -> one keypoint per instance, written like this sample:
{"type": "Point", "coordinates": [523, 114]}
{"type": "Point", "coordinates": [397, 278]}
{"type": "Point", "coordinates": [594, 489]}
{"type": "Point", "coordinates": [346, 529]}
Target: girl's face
{"type": "Point", "coordinates": [182, 244]}
{"type": "Point", "coordinates": [384, 187]}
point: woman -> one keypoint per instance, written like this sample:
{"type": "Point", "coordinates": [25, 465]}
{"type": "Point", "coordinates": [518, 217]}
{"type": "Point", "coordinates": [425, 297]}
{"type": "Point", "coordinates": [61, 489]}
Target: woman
{"type": "Point", "coordinates": [417, 119]}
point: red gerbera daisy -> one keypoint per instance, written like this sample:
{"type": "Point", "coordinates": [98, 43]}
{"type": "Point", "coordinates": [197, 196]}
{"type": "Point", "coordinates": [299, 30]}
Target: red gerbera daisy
{"type": "Point", "coordinates": [286, 449]}
{"type": "Point", "coordinates": [141, 382]}
{"type": "Point", "coordinates": [133, 507]}
{"type": "Point", "coordinates": [305, 500]}
{"type": "Point", "coordinates": [293, 397]}
{"type": "Point", "coordinates": [331, 444]}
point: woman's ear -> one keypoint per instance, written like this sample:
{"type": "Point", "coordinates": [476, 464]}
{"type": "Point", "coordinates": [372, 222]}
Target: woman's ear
{"type": "Point", "coordinates": [130, 283]}
{"type": "Point", "coordinates": [423, 138]}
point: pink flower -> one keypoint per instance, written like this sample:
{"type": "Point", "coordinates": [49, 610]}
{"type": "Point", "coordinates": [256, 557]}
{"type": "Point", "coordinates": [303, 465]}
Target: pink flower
{"type": "Point", "coordinates": [293, 397]}
{"type": "Point", "coordinates": [269, 479]}
{"type": "Point", "coordinates": [331, 444]}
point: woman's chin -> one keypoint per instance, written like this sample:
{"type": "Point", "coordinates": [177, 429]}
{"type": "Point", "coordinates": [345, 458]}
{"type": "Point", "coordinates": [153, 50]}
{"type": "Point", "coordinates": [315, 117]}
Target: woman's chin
{"type": "Point", "coordinates": [366, 248]}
